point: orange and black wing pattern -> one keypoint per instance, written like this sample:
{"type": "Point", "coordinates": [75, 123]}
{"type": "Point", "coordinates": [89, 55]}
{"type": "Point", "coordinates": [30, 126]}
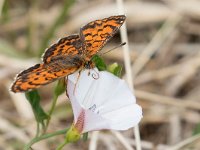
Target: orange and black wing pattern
{"type": "Point", "coordinates": [69, 54]}
{"type": "Point", "coordinates": [67, 46]}
{"type": "Point", "coordinates": [97, 33]}
{"type": "Point", "coordinates": [60, 60]}
{"type": "Point", "coordinates": [31, 78]}
{"type": "Point", "coordinates": [40, 74]}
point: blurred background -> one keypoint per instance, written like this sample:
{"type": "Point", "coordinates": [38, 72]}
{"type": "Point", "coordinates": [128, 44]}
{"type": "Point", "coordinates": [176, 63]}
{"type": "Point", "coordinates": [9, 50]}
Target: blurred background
{"type": "Point", "coordinates": [164, 40]}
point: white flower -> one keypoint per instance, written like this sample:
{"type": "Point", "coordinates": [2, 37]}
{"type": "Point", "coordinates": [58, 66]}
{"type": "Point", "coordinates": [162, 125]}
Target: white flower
{"type": "Point", "coordinates": [102, 103]}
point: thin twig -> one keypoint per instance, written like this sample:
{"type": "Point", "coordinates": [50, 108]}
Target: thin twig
{"type": "Point", "coordinates": [167, 71]}
{"type": "Point", "coordinates": [94, 139]}
{"type": "Point", "coordinates": [175, 127]}
{"type": "Point", "coordinates": [145, 144]}
{"type": "Point", "coordinates": [185, 142]}
{"type": "Point", "coordinates": [160, 37]}
{"type": "Point", "coordinates": [138, 13]}
{"type": "Point", "coordinates": [108, 140]}
{"type": "Point", "coordinates": [13, 131]}
{"type": "Point", "coordinates": [127, 61]}
{"type": "Point", "coordinates": [186, 74]}
{"type": "Point", "coordinates": [183, 103]}
{"type": "Point", "coordinates": [123, 140]}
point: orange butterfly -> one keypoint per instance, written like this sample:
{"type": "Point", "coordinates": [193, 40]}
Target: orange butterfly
{"type": "Point", "coordinates": [69, 54]}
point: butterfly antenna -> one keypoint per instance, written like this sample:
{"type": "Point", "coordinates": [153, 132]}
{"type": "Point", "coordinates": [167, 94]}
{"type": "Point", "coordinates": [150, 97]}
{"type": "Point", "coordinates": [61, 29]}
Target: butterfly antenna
{"type": "Point", "coordinates": [122, 44]}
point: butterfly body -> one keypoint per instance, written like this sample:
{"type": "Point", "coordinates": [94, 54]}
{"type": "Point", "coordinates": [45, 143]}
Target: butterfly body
{"type": "Point", "coordinates": [69, 54]}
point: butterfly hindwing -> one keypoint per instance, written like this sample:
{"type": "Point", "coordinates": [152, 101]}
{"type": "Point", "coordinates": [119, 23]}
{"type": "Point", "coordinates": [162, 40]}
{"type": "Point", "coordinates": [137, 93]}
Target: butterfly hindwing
{"type": "Point", "coordinates": [67, 46]}
{"type": "Point", "coordinates": [42, 74]}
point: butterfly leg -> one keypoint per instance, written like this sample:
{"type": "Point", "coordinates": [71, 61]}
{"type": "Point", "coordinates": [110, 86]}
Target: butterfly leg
{"type": "Point", "coordinates": [79, 74]}
{"type": "Point", "coordinates": [66, 81]}
{"type": "Point", "coordinates": [89, 72]}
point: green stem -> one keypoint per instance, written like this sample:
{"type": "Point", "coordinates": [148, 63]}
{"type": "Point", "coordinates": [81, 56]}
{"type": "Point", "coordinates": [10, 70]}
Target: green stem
{"type": "Point", "coordinates": [38, 129]}
{"type": "Point", "coordinates": [45, 136]}
{"type": "Point", "coordinates": [60, 147]}
{"type": "Point", "coordinates": [44, 126]}
{"type": "Point", "coordinates": [53, 105]}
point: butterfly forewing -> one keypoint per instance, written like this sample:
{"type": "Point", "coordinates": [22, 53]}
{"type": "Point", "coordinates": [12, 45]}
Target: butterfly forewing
{"type": "Point", "coordinates": [97, 33]}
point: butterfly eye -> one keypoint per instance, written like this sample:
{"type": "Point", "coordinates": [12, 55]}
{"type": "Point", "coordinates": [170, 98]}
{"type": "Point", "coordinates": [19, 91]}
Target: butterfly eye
{"type": "Point", "coordinates": [89, 65]}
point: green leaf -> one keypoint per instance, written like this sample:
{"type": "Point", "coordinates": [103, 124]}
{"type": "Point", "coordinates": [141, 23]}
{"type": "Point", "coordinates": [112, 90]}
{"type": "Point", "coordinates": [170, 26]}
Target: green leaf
{"type": "Point", "coordinates": [115, 69]}
{"type": "Point", "coordinates": [99, 63]}
{"type": "Point", "coordinates": [34, 99]}
{"type": "Point", "coordinates": [4, 14]}
{"type": "Point", "coordinates": [85, 136]}
{"type": "Point", "coordinates": [196, 129]}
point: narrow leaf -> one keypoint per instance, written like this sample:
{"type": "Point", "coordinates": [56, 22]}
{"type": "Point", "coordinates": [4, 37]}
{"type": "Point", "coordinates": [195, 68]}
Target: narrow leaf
{"type": "Point", "coordinates": [196, 129]}
{"type": "Point", "coordinates": [34, 99]}
{"type": "Point", "coordinates": [85, 136]}
{"type": "Point", "coordinates": [115, 69]}
{"type": "Point", "coordinates": [99, 63]}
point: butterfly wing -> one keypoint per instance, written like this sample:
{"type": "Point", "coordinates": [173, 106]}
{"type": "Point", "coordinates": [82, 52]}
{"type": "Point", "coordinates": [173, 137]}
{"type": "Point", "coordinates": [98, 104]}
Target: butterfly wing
{"type": "Point", "coordinates": [67, 46]}
{"type": "Point", "coordinates": [42, 74]}
{"type": "Point", "coordinates": [30, 78]}
{"type": "Point", "coordinates": [97, 33]}
{"type": "Point", "coordinates": [60, 60]}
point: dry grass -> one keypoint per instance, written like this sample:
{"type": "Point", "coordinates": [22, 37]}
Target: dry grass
{"type": "Point", "coordinates": [164, 38]}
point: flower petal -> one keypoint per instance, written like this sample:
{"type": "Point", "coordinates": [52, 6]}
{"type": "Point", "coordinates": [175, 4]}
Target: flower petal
{"type": "Point", "coordinates": [124, 118]}
{"type": "Point", "coordinates": [94, 122]}
{"type": "Point", "coordinates": [76, 107]}
{"type": "Point", "coordinates": [107, 101]}
{"type": "Point", "coordinates": [84, 86]}
{"type": "Point", "coordinates": [121, 119]}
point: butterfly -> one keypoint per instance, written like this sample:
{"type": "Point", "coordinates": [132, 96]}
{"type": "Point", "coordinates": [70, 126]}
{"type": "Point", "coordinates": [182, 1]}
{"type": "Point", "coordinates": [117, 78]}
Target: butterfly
{"type": "Point", "coordinates": [69, 54]}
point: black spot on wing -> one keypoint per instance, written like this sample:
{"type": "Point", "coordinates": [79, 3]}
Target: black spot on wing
{"type": "Point", "coordinates": [72, 40]}
{"type": "Point", "coordinates": [29, 70]}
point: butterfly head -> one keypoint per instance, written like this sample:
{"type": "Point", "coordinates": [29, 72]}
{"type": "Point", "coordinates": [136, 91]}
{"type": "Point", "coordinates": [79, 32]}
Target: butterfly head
{"type": "Point", "coordinates": [89, 65]}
